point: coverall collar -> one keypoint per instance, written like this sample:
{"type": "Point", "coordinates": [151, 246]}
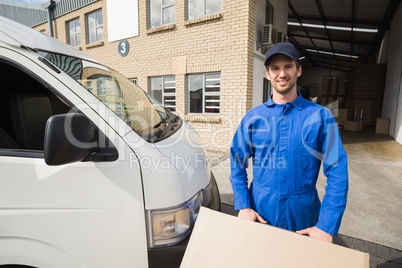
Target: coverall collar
{"type": "Point", "coordinates": [297, 103]}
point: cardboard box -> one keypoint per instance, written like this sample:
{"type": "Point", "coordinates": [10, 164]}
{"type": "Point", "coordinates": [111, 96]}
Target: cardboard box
{"type": "Point", "coordinates": [221, 240]}
{"type": "Point", "coordinates": [341, 121]}
{"type": "Point", "coordinates": [382, 126]}
{"type": "Point", "coordinates": [353, 126]}
{"type": "Point", "coordinates": [367, 81]}
{"type": "Point", "coordinates": [343, 83]}
{"type": "Point", "coordinates": [340, 115]}
{"type": "Point", "coordinates": [371, 109]}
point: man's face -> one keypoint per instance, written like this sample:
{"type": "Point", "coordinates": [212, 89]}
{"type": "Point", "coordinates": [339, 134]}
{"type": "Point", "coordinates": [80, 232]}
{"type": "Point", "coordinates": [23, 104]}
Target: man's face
{"type": "Point", "coordinates": [283, 73]}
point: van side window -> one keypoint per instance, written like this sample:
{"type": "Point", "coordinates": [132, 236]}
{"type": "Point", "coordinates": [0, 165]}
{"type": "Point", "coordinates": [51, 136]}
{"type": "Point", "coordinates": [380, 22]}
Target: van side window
{"type": "Point", "coordinates": [25, 106]}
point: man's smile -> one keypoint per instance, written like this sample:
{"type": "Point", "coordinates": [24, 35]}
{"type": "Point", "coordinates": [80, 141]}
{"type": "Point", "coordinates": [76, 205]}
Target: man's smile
{"type": "Point", "coordinates": [282, 82]}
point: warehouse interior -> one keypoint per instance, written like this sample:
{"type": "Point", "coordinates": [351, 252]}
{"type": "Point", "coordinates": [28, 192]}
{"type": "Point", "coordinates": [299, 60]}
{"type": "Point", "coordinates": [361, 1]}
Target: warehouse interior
{"type": "Point", "coordinates": [351, 60]}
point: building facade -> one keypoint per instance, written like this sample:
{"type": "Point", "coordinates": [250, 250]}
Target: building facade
{"type": "Point", "coordinates": [201, 59]}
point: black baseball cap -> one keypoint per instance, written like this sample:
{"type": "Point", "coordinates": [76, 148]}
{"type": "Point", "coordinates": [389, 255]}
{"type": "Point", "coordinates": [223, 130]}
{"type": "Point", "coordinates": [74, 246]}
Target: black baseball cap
{"type": "Point", "coordinates": [287, 49]}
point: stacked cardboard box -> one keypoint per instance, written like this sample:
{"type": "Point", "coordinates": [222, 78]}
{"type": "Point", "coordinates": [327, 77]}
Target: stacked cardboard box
{"type": "Point", "coordinates": [382, 126]}
{"type": "Point", "coordinates": [329, 93]}
{"type": "Point", "coordinates": [343, 83]}
{"type": "Point", "coordinates": [342, 116]}
{"type": "Point", "coordinates": [343, 89]}
{"type": "Point", "coordinates": [366, 90]}
{"type": "Point", "coordinates": [371, 109]}
{"type": "Point", "coordinates": [353, 126]}
{"type": "Point", "coordinates": [367, 81]}
{"type": "Point", "coordinates": [334, 88]}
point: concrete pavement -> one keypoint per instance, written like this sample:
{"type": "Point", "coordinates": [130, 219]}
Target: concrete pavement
{"type": "Point", "coordinates": [372, 220]}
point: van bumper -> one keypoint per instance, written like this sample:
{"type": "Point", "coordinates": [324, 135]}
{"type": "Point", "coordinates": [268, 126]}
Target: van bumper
{"type": "Point", "coordinates": [171, 256]}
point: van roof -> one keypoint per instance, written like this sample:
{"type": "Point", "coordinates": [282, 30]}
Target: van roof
{"type": "Point", "coordinates": [33, 39]}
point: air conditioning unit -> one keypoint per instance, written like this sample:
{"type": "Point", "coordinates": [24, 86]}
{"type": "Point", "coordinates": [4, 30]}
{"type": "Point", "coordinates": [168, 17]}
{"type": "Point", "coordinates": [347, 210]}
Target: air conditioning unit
{"type": "Point", "coordinates": [282, 37]}
{"type": "Point", "coordinates": [269, 35]}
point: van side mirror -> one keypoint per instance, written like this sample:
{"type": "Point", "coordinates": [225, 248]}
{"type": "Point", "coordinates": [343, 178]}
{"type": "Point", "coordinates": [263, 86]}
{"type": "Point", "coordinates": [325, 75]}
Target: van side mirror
{"type": "Point", "coordinates": [68, 138]}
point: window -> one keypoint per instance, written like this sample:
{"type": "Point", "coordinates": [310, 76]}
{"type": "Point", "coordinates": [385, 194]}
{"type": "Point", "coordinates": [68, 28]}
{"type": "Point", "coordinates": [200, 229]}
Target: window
{"type": "Point", "coordinates": [102, 87]}
{"type": "Point", "coordinates": [134, 81]}
{"type": "Point", "coordinates": [266, 91]}
{"type": "Point", "coordinates": [269, 13]}
{"type": "Point", "coordinates": [200, 8]}
{"type": "Point", "coordinates": [95, 27]}
{"type": "Point", "coordinates": [25, 111]}
{"type": "Point", "coordinates": [163, 89]}
{"type": "Point", "coordinates": [74, 32]}
{"type": "Point", "coordinates": [161, 12]}
{"type": "Point", "coordinates": [89, 86]}
{"type": "Point", "coordinates": [204, 91]}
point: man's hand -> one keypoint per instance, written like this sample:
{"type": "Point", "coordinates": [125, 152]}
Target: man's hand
{"type": "Point", "coordinates": [251, 215]}
{"type": "Point", "coordinates": [316, 233]}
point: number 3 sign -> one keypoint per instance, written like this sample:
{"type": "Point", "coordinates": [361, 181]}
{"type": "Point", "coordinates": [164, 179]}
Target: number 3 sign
{"type": "Point", "coordinates": [123, 48]}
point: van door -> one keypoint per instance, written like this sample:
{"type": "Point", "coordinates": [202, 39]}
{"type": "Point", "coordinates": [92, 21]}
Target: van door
{"type": "Point", "coordinates": [85, 214]}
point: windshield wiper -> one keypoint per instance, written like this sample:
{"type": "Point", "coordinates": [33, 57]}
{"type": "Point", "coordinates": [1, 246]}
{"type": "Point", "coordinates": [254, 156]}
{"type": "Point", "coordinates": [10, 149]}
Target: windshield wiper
{"type": "Point", "coordinates": [163, 120]}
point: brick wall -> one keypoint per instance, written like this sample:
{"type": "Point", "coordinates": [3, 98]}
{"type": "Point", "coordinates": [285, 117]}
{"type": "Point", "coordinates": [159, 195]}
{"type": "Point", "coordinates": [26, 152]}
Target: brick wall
{"type": "Point", "coordinates": [219, 43]}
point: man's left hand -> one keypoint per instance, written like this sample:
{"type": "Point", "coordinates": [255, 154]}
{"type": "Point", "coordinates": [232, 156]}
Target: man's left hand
{"type": "Point", "coordinates": [316, 233]}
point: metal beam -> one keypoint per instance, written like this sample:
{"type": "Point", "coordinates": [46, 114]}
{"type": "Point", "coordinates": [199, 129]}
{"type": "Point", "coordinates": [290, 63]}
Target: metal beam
{"type": "Point", "coordinates": [352, 43]}
{"type": "Point", "coordinates": [291, 7]}
{"type": "Point", "coordinates": [339, 58]}
{"type": "Point", "coordinates": [326, 39]}
{"type": "Point", "coordinates": [322, 14]}
{"type": "Point", "coordinates": [328, 67]}
{"type": "Point", "coordinates": [333, 66]}
{"type": "Point", "coordinates": [385, 24]}
{"type": "Point", "coordinates": [334, 51]}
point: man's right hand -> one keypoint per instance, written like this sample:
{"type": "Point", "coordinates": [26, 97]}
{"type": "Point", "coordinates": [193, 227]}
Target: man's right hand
{"type": "Point", "coordinates": [250, 214]}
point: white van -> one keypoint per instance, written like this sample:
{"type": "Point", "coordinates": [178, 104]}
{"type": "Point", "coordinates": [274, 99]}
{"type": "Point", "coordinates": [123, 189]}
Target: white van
{"type": "Point", "coordinates": [94, 171]}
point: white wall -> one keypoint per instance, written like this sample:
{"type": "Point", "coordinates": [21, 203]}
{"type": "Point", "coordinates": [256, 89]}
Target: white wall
{"type": "Point", "coordinates": [382, 51]}
{"type": "Point", "coordinates": [280, 20]}
{"type": "Point", "coordinates": [392, 103]}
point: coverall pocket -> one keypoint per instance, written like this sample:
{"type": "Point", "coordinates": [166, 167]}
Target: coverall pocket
{"type": "Point", "coordinates": [308, 157]}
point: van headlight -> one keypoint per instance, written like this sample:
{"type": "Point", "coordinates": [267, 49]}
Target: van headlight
{"type": "Point", "coordinates": [172, 225]}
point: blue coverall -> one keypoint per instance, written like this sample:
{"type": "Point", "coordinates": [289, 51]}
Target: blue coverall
{"type": "Point", "coordinates": [287, 143]}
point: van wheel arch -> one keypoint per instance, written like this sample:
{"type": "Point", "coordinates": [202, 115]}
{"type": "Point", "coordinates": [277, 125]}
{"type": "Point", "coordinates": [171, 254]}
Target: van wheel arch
{"type": "Point", "coordinates": [16, 266]}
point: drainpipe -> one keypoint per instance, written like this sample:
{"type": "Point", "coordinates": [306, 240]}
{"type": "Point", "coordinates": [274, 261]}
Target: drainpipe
{"type": "Point", "coordinates": [50, 7]}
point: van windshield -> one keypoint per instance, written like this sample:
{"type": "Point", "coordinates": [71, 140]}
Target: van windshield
{"type": "Point", "coordinates": [137, 108]}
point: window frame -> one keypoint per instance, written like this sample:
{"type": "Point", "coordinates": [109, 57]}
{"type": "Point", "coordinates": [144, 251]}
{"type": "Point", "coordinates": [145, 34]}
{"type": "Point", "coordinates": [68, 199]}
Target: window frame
{"type": "Point", "coordinates": [165, 94]}
{"type": "Point", "coordinates": [163, 7]}
{"type": "Point", "coordinates": [17, 64]}
{"type": "Point", "coordinates": [96, 26]}
{"type": "Point", "coordinates": [204, 93]}
{"type": "Point", "coordinates": [204, 10]}
{"type": "Point", "coordinates": [75, 33]}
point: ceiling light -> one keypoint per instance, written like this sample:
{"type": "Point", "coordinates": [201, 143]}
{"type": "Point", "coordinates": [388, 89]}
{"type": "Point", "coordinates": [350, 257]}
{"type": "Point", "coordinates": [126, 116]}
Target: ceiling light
{"type": "Point", "coordinates": [325, 52]}
{"type": "Point", "coordinates": [344, 55]}
{"type": "Point", "coordinates": [294, 23]}
{"type": "Point", "coordinates": [320, 26]}
{"type": "Point", "coordinates": [365, 30]}
{"type": "Point", "coordinates": [313, 25]}
{"type": "Point", "coordinates": [339, 28]}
